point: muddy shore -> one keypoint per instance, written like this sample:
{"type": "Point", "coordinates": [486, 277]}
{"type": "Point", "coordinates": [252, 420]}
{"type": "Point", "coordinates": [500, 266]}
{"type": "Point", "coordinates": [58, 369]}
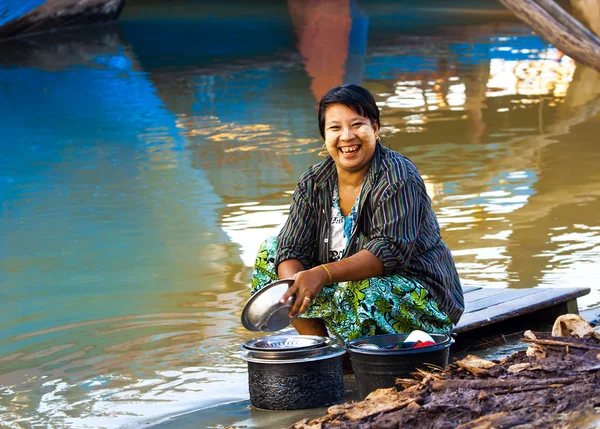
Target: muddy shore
{"type": "Point", "coordinates": [554, 383]}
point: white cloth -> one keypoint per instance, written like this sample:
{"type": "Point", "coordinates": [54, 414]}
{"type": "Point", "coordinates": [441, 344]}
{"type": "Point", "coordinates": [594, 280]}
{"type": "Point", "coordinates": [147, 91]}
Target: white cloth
{"type": "Point", "coordinates": [337, 241]}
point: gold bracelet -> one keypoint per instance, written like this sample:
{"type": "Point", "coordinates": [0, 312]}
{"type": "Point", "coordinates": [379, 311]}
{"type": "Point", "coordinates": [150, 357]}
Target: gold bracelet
{"type": "Point", "coordinates": [328, 273]}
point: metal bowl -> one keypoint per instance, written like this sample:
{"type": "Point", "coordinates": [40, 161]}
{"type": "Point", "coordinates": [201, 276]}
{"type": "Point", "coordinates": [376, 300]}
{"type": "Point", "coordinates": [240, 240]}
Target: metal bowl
{"type": "Point", "coordinates": [285, 342]}
{"type": "Point", "coordinates": [330, 348]}
{"type": "Point", "coordinates": [264, 312]}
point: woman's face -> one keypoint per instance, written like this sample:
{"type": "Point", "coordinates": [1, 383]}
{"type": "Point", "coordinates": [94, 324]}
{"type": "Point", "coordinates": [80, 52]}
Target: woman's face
{"type": "Point", "coordinates": [350, 138]}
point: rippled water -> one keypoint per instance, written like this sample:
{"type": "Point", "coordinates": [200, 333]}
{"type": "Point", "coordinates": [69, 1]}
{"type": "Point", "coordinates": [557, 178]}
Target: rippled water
{"type": "Point", "coordinates": [143, 162]}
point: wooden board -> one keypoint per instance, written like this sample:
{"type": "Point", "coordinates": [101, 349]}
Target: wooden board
{"type": "Point", "coordinates": [483, 293]}
{"type": "Point", "coordinates": [486, 306]}
{"type": "Point", "coordinates": [504, 296]}
{"type": "Point", "coordinates": [467, 289]}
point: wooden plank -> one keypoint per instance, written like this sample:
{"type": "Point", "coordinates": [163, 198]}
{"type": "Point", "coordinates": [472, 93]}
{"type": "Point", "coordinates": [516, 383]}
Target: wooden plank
{"type": "Point", "coordinates": [467, 289]}
{"type": "Point", "coordinates": [506, 295]}
{"type": "Point", "coordinates": [542, 299]}
{"type": "Point", "coordinates": [483, 293]}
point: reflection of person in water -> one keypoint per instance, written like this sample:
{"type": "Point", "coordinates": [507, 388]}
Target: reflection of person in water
{"type": "Point", "coordinates": [362, 241]}
{"type": "Point", "coordinates": [322, 29]}
{"type": "Point", "coordinates": [332, 39]}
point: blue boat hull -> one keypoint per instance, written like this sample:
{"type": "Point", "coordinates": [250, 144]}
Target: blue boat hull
{"type": "Point", "coordinates": [19, 17]}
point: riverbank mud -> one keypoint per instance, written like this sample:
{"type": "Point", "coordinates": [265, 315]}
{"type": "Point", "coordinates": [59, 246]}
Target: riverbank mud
{"type": "Point", "coordinates": [554, 383]}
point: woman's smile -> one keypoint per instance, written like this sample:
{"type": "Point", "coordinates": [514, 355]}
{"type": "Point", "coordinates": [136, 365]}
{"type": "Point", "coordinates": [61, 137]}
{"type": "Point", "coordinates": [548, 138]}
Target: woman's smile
{"type": "Point", "coordinates": [350, 150]}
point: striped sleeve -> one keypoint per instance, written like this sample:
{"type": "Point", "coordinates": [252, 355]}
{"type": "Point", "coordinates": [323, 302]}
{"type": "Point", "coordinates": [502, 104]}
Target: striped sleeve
{"type": "Point", "coordinates": [297, 238]}
{"type": "Point", "coordinates": [395, 226]}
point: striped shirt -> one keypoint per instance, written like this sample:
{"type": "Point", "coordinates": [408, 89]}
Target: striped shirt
{"type": "Point", "coordinates": [395, 222]}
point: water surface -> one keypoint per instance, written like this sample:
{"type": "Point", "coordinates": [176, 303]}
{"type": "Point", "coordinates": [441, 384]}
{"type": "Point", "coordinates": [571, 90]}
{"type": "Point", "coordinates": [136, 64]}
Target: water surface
{"type": "Point", "coordinates": [142, 163]}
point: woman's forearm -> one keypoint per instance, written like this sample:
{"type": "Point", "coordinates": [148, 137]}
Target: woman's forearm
{"type": "Point", "coordinates": [288, 268]}
{"type": "Point", "coordinates": [359, 266]}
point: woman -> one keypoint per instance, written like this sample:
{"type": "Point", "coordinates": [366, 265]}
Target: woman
{"type": "Point", "coordinates": [361, 241]}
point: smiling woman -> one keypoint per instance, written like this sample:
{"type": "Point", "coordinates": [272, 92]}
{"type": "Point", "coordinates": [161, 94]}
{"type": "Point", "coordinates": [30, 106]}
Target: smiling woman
{"type": "Point", "coordinates": [350, 140]}
{"type": "Point", "coordinates": [362, 241]}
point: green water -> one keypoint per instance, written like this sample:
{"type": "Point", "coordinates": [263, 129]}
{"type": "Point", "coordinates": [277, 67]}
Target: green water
{"type": "Point", "coordinates": [142, 162]}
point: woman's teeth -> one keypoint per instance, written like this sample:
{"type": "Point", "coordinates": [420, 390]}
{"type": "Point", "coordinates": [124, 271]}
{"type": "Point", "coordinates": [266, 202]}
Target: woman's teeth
{"type": "Point", "coordinates": [350, 149]}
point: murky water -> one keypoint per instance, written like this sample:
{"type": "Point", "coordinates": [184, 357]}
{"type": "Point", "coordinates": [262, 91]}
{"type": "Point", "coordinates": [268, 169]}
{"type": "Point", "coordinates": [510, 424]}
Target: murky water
{"type": "Point", "coordinates": [142, 162]}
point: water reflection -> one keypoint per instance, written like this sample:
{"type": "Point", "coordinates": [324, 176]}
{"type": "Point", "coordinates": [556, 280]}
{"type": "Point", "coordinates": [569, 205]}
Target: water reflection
{"type": "Point", "coordinates": [511, 105]}
{"type": "Point", "coordinates": [140, 173]}
{"type": "Point", "coordinates": [109, 233]}
{"type": "Point", "coordinates": [344, 25]}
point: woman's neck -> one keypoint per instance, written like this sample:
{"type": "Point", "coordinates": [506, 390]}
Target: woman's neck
{"type": "Point", "coordinates": [349, 186]}
{"type": "Point", "coordinates": [351, 179]}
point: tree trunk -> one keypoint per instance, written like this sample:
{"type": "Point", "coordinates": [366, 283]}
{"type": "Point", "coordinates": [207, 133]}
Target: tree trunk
{"type": "Point", "coordinates": [575, 27]}
{"type": "Point", "coordinates": [588, 12]}
{"type": "Point", "coordinates": [582, 49]}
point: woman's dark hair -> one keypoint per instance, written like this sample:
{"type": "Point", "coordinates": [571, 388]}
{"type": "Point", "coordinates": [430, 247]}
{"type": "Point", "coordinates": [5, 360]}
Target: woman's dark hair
{"type": "Point", "coordinates": [353, 96]}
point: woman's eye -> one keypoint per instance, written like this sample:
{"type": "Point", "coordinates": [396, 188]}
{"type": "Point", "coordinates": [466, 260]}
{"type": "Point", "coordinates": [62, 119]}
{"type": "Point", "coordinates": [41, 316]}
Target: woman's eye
{"type": "Point", "coordinates": [357, 124]}
{"type": "Point", "coordinates": [334, 128]}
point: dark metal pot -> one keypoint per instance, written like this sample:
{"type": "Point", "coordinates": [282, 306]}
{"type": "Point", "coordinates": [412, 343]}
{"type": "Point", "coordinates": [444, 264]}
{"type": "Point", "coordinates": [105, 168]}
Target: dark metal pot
{"type": "Point", "coordinates": [312, 379]}
{"type": "Point", "coordinates": [376, 369]}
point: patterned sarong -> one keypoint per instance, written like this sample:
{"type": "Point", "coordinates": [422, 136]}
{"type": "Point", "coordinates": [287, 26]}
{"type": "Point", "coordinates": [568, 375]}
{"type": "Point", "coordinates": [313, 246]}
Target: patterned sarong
{"type": "Point", "coordinates": [357, 309]}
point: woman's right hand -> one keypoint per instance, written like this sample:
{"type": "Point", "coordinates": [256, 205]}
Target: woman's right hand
{"type": "Point", "coordinates": [307, 285]}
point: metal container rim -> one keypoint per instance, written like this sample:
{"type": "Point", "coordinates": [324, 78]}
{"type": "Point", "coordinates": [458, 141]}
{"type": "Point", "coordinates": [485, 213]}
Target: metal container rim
{"type": "Point", "coordinates": [352, 348]}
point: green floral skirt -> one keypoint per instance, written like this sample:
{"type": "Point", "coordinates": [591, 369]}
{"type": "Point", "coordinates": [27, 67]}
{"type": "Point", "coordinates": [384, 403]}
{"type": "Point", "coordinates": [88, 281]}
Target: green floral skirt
{"type": "Point", "coordinates": [356, 309]}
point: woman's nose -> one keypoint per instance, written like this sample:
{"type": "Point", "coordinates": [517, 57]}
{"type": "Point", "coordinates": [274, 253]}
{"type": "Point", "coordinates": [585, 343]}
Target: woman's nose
{"type": "Point", "coordinates": [347, 134]}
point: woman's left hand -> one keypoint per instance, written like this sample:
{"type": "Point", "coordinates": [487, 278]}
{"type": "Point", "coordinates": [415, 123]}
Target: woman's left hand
{"type": "Point", "coordinates": [307, 285]}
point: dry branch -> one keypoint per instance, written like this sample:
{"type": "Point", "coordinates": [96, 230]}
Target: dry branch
{"type": "Point", "coordinates": [491, 421]}
{"type": "Point", "coordinates": [380, 401]}
{"type": "Point", "coordinates": [475, 365]}
{"type": "Point", "coordinates": [498, 383]}
{"type": "Point", "coordinates": [562, 343]}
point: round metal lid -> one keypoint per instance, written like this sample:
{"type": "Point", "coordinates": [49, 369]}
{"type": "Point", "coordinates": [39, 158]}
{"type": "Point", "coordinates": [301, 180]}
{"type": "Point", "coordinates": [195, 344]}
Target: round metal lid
{"type": "Point", "coordinates": [285, 342]}
{"type": "Point", "coordinates": [264, 312]}
{"type": "Point", "coordinates": [333, 348]}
